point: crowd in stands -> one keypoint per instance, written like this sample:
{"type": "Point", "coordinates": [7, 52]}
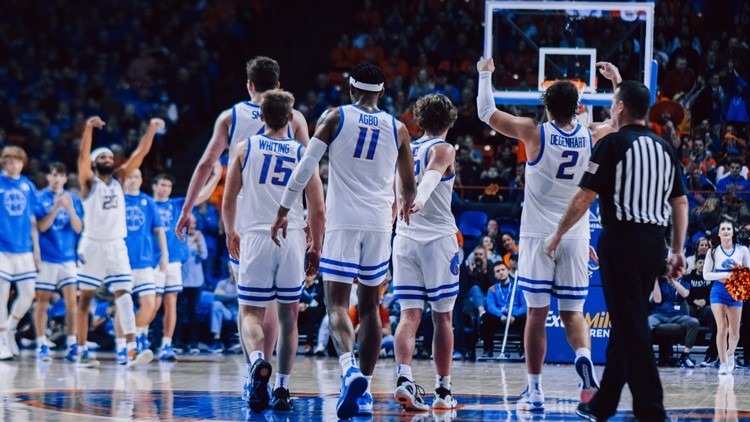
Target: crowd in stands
{"type": "Point", "coordinates": [121, 60]}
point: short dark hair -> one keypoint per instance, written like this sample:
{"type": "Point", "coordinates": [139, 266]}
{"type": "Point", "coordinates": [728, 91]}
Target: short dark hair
{"type": "Point", "coordinates": [57, 167]}
{"type": "Point", "coordinates": [264, 73]}
{"type": "Point", "coordinates": [367, 73]}
{"type": "Point", "coordinates": [561, 100]}
{"type": "Point", "coordinates": [276, 108]}
{"type": "Point", "coordinates": [164, 176]}
{"type": "Point", "coordinates": [700, 256]}
{"type": "Point", "coordinates": [636, 98]}
{"type": "Point", "coordinates": [500, 262]}
{"type": "Point", "coordinates": [435, 113]}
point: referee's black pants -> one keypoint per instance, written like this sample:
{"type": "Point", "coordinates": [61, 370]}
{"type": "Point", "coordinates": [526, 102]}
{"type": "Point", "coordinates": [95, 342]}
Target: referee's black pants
{"type": "Point", "coordinates": [630, 260]}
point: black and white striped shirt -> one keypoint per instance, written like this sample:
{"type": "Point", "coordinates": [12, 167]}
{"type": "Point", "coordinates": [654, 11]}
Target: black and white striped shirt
{"type": "Point", "coordinates": [635, 173]}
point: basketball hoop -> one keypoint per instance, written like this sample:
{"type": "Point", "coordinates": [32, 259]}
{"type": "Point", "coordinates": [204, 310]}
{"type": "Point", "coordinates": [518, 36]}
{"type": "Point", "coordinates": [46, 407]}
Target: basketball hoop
{"type": "Point", "coordinates": [580, 85]}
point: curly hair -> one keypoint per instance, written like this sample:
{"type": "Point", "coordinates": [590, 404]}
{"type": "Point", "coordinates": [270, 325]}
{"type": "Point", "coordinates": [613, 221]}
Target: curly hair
{"type": "Point", "coordinates": [367, 73]}
{"type": "Point", "coordinates": [435, 113]}
{"type": "Point", "coordinates": [264, 73]}
{"type": "Point", "coordinates": [561, 100]}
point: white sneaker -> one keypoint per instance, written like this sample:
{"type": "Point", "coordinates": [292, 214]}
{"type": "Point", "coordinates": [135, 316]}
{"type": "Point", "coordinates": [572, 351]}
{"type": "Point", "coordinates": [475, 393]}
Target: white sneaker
{"type": "Point", "coordinates": [410, 395]}
{"type": "Point", "coordinates": [12, 345]}
{"type": "Point", "coordinates": [5, 353]}
{"type": "Point", "coordinates": [136, 359]}
{"type": "Point", "coordinates": [730, 363]}
{"type": "Point", "coordinates": [444, 399]}
{"type": "Point", "coordinates": [531, 401]}
{"type": "Point", "coordinates": [723, 370]}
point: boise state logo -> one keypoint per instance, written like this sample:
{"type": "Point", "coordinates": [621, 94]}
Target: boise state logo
{"type": "Point", "coordinates": [728, 263]}
{"type": "Point", "coordinates": [166, 217]}
{"type": "Point", "coordinates": [61, 220]}
{"type": "Point", "coordinates": [135, 218]}
{"type": "Point", "coordinates": [455, 264]}
{"type": "Point", "coordinates": [15, 202]}
{"type": "Point", "coordinates": [593, 261]}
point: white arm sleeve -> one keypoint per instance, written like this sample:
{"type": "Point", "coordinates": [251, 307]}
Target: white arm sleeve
{"type": "Point", "coordinates": [708, 274]}
{"type": "Point", "coordinates": [485, 102]}
{"type": "Point", "coordinates": [428, 184]}
{"type": "Point", "coordinates": [304, 171]}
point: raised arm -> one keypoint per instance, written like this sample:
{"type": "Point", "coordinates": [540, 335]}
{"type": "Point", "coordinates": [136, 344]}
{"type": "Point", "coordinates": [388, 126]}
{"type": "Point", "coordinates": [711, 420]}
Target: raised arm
{"type": "Point", "coordinates": [144, 146]}
{"type": "Point", "coordinates": [216, 146]}
{"type": "Point", "coordinates": [210, 186]}
{"type": "Point", "coordinates": [442, 157]}
{"type": "Point", "coordinates": [407, 183]}
{"type": "Point", "coordinates": [509, 125]}
{"type": "Point", "coordinates": [85, 171]}
{"type": "Point", "coordinates": [229, 203]}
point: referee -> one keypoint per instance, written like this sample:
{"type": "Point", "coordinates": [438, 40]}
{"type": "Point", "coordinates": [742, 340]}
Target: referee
{"type": "Point", "coordinates": [637, 177]}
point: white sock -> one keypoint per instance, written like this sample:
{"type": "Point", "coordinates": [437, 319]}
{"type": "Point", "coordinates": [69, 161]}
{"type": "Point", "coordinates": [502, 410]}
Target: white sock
{"type": "Point", "coordinates": [443, 381]}
{"type": "Point", "coordinates": [249, 367]}
{"type": "Point", "coordinates": [255, 355]}
{"type": "Point", "coordinates": [369, 382]}
{"type": "Point", "coordinates": [346, 360]}
{"type": "Point", "coordinates": [535, 382]}
{"type": "Point", "coordinates": [40, 341]}
{"type": "Point", "coordinates": [404, 371]}
{"type": "Point", "coordinates": [121, 343]}
{"type": "Point", "coordinates": [12, 323]}
{"type": "Point", "coordinates": [131, 345]}
{"type": "Point", "coordinates": [141, 330]}
{"type": "Point", "coordinates": [282, 381]}
{"type": "Point", "coordinates": [70, 340]}
{"type": "Point", "coordinates": [582, 351]}
{"type": "Point", "coordinates": [166, 341]}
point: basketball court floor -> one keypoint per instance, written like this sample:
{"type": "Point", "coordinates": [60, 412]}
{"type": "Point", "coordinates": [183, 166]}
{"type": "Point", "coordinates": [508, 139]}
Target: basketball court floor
{"type": "Point", "coordinates": [209, 387]}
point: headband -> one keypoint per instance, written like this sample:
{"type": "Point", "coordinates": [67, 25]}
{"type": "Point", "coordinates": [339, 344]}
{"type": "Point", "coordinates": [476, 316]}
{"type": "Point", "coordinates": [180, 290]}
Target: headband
{"type": "Point", "coordinates": [365, 86]}
{"type": "Point", "coordinates": [99, 151]}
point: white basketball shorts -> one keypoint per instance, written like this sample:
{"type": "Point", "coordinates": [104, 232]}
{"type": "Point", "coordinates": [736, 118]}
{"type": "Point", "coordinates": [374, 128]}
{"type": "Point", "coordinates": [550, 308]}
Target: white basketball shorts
{"type": "Point", "coordinates": [169, 281]}
{"type": "Point", "coordinates": [55, 276]}
{"type": "Point", "coordinates": [17, 267]}
{"type": "Point", "coordinates": [104, 261]}
{"type": "Point", "coordinates": [144, 282]}
{"type": "Point", "coordinates": [350, 254]}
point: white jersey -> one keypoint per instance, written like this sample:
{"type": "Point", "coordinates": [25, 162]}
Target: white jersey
{"type": "Point", "coordinates": [435, 219]}
{"type": "Point", "coordinates": [246, 122]}
{"type": "Point", "coordinates": [269, 163]}
{"type": "Point", "coordinates": [104, 211]}
{"type": "Point", "coordinates": [362, 164]}
{"type": "Point", "coordinates": [552, 180]}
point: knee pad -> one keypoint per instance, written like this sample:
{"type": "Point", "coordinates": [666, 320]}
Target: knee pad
{"type": "Point", "coordinates": [125, 313]}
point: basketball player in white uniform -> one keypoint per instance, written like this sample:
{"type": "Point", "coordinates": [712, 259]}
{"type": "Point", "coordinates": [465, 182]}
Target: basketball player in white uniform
{"type": "Point", "coordinates": [102, 252]}
{"type": "Point", "coordinates": [425, 255]}
{"type": "Point", "coordinates": [233, 126]}
{"type": "Point", "coordinates": [260, 168]}
{"type": "Point", "coordinates": [364, 145]}
{"type": "Point", "coordinates": [558, 152]}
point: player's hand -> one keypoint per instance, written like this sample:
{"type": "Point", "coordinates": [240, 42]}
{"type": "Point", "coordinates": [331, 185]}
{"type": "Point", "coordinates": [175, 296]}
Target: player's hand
{"type": "Point", "coordinates": [550, 245]}
{"type": "Point", "coordinates": [609, 71]}
{"type": "Point", "coordinates": [37, 261]}
{"type": "Point", "coordinates": [281, 223]}
{"type": "Point", "coordinates": [416, 207]}
{"type": "Point", "coordinates": [404, 212]}
{"type": "Point", "coordinates": [63, 201]}
{"type": "Point", "coordinates": [183, 225]}
{"type": "Point", "coordinates": [157, 123]}
{"type": "Point", "coordinates": [233, 244]}
{"type": "Point", "coordinates": [95, 121]}
{"type": "Point", "coordinates": [676, 266]}
{"type": "Point", "coordinates": [312, 260]}
{"type": "Point", "coordinates": [486, 65]}
{"type": "Point", "coordinates": [163, 263]}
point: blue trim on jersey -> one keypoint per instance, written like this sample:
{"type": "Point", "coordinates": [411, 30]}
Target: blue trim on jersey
{"type": "Point", "coordinates": [89, 283]}
{"type": "Point", "coordinates": [84, 276]}
{"type": "Point", "coordinates": [234, 124]}
{"type": "Point", "coordinates": [66, 281]}
{"type": "Point", "coordinates": [341, 124]}
{"type": "Point", "coordinates": [570, 297]}
{"type": "Point", "coordinates": [734, 247]}
{"type": "Point", "coordinates": [289, 131]}
{"type": "Point", "coordinates": [395, 132]}
{"type": "Point", "coordinates": [427, 153]}
{"type": "Point", "coordinates": [337, 272]}
{"type": "Point", "coordinates": [373, 267]}
{"type": "Point", "coordinates": [447, 178]}
{"type": "Point", "coordinates": [44, 288]}
{"type": "Point", "coordinates": [541, 148]}
{"type": "Point", "coordinates": [420, 288]}
{"type": "Point", "coordinates": [289, 289]}
{"type": "Point", "coordinates": [173, 289]}
{"type": "Point", "coordinates": [530, 281]}
{"type": "Point", "coordinates": [339, 263]}
{"type": "Point", "coordinates": [443, 296]}
{"type": "Point", "coordinates": [251, 104]}
{"type": "Point", "coordinates": [18, 280]}
{"type": "Point", "coordinates": [373, 276]}
{"type": "Point", "coordinates": [577, 128]}
{"type": "Point", "coordinates": [256, 298]}
{"type": "Point", "coordinates": [118, 275]}
{"type": "Point", "coordinates": [532, 290]}
{"type": "Point", "coordinates": [234, 261]}
{"type": "Point", "coordinates": [591, 142]}
{"type": "Point", "coordinates": [299, 152]}
{"type": "Point", "coordinates": [247, 154]}
{"type": "Point", "coordinates": [422, 141]}
{"type": "Point", "coordinates": [365, 111]}
{"type": "Point", "coordinates": [721, 270]}
{"type": "Point", "coordinates": [575, 289]}
{"type": "Point", "coordinates": [437, 289]}
{"type": "Point", "coordinates": [255, 289]}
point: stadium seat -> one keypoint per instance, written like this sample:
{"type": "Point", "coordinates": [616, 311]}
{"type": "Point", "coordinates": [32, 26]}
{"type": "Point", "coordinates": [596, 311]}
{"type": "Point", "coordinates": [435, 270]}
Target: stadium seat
{"type": "Point", "coordinates": [472, 223]}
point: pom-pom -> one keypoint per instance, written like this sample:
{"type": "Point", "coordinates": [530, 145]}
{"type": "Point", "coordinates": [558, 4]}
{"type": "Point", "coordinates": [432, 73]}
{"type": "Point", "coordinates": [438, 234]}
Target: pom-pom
{"type": "Point", "coordinates": [738, 284]}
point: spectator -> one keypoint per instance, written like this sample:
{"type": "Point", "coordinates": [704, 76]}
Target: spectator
{"type": "Point", "coordinates": [699, 304]}
{"type": "Point", "coordinates": [698, 185]}
{"type": "Point", "coordinates": [704, 218]}
{"type": "Point", "coordinates": [668, 296]}
{"type": "Point", "coordinates": [311, 311]}
{"type": "Point", "coordinates": [509, 243]}
{"type": "Point", "coordinates": [500, 308]}
{"type": "Point", "coordinates": [701, 248]}
{"type": "Point", "coordinates": [735, 182]}
{"type": "Point", "coordinates": [192, 282]}
{"type": "Point", "coordinates": [225, 309]}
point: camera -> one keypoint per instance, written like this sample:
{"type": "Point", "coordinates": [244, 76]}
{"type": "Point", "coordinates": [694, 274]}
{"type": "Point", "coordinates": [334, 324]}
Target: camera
{"type": "Point", "coordinates": [478, 262]}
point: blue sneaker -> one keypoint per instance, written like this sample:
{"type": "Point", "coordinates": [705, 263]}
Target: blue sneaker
{"type": "Point", "coordinates": [589, 386]}
{"type": "Point", "coordinates": [122, 356]}
{"type": "Point", "coordinates": [364, 402]}
{"type": "Point", "coordinates": [142, 342]}
{"type": "Point", "coordinates": [353, 386]}
{"type": "Point", "coordinates": [167, 354]}
{"type": "Point", "coordinates": [72, 355]}
{"type": "Point", "coordinates": [43, 354]}
{"type": "Point", "coordinates": [259, 394]}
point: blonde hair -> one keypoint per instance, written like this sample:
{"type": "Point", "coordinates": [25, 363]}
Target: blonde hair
{"type": "Point", "coordinates": [15, 152]}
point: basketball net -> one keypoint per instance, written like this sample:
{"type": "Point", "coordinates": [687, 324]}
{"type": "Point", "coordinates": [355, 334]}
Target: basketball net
{"type": "Point", "coordinates": [584, 112]}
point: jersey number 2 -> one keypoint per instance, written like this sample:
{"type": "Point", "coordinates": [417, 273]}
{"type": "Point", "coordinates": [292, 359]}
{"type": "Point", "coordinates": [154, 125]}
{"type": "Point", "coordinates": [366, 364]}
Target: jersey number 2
{"type": "Point", "coordinates": [572, 157]}
{"type": "Point", "coordinates": [281, 173]}
{"type": "Point", "coordinates": [361, 143]}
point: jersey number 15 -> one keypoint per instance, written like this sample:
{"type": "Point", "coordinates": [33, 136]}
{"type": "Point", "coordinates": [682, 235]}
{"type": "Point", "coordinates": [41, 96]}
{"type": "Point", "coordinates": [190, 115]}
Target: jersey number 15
{"type": "Point", "coordinates": [280, 172]}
